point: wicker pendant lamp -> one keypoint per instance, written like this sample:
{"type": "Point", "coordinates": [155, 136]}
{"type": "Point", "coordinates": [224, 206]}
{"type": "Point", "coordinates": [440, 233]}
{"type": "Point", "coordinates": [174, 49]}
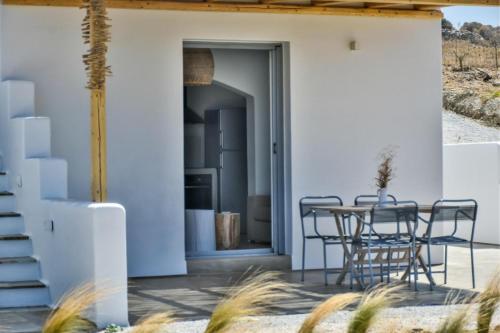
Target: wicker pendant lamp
{"type": "Point", "coordinates": [198, 67]}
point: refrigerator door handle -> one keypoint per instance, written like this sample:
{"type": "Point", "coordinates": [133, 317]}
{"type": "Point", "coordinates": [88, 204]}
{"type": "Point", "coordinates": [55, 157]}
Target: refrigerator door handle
{"type": "Point", "coordinates": [221, 139]}
{"type": "Point", "coordinates": [221, 159]}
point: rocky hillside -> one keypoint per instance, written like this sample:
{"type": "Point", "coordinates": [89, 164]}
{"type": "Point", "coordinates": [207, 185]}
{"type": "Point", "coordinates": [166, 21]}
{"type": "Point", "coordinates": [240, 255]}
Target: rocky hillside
{"type": "Point", "coordinates": [471, 80]}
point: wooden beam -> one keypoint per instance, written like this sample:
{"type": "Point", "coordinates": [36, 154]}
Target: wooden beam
{"type": "Point", "coordinates": [337, 3]}
{"type": "Point", "coordinates": [98, 145]}
{"type": "Point", "coordinates": [377, 5]}
{"type": "Point", "coordinates": [237, 7]}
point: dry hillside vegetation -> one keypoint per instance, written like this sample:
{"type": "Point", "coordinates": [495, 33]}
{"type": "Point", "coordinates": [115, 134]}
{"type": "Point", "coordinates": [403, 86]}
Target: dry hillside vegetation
{"type": "Point", "coordinates": [471, 80]}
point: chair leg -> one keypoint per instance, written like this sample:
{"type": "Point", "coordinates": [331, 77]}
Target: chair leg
{"type": "Point", "coordinates": [445, 264]}
{"type": "Point", "coordinates": [303, 258]}
{"type": "Point", "coordinates": [415, 266]}
{"type": "Point", "coordinates": [389, 254]}
{"type": "Point", "coordinates": [472, 265]}
{"type": "Point", "coordinates": [429, 264]}
{"type": "Point", "coordinates": [370, 268]}
{"type": "Point", "coordinates": [324, 264]}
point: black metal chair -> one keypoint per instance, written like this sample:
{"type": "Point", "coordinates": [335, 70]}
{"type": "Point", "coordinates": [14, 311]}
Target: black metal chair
{"type": "Point", "coordinates": [451, 211]}
{"type": "Point", "coordinates": [405, 212]}
{"type": "Point", "coordinates": [309, 212]}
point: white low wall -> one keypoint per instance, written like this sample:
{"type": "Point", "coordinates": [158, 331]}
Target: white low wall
{"type": "Point", "coordinates": [473, 171]}
{"type": "Point", "coordinates": [76, 242]}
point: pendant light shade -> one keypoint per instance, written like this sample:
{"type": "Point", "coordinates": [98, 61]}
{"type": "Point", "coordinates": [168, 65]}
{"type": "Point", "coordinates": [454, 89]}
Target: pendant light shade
{"type": "Point", "coordinates": [198, 67]}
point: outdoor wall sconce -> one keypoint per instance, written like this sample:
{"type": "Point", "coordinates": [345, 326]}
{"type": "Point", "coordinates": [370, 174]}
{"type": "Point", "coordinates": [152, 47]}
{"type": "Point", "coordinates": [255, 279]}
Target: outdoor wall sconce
{"type": "Point", "coordinates": [353, 45]}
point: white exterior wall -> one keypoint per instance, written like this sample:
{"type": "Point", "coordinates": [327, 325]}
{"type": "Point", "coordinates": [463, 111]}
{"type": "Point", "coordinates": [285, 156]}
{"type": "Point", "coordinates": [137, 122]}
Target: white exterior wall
{"type": "Point", "coordinates": [473, 171]}
{"type": "Point", "coordinates": [344, 107]}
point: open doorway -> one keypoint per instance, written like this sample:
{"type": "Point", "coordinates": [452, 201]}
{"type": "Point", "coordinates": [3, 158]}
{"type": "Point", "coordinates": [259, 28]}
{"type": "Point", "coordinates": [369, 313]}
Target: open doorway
{"type": "Point", "coordinates": [230, 149]}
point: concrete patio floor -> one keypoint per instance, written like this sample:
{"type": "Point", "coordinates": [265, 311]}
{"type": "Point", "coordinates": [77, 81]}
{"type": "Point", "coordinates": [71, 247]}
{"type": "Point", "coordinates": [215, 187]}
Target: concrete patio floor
{"type": "Point", "coordinates": [195, 295]}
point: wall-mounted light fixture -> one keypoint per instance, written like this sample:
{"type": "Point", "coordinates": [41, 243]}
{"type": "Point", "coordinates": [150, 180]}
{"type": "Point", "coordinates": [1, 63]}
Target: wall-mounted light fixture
{"type": "Point", "coordinates": [353, 45]}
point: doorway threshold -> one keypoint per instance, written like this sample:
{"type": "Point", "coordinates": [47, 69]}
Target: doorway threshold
{"type": "Point", "coordinates": [238, 264]}
{"type": "Point", "coordinates": [229, 253]}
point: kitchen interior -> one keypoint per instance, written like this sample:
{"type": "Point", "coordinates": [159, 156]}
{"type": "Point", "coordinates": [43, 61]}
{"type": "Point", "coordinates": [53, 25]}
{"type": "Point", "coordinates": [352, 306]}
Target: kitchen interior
{"type": "Point", "coordinates": [227, 151]}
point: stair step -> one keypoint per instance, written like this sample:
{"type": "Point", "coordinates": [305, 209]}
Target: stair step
{"type": "Point", "coordinates": [9, 214]}
{"type": "Point", "coordinates": [13, 237]}
{"type": "Point", "coordinates": [14, 247]}
{"type": "Point", "coordinates": [23, 294]}
{"type": "Point", "coordinates": [6, 193]}
{"type": "Point", "coordinates": [21, 284]}
{"type": "Point", "coordinates": [23, 268]}
{"type": "Point", "coordinates": [7, 201]}
{"type": "Point", "coordinates": [11, 223]}
{"type": "Point", "coordinates": [17, 260]}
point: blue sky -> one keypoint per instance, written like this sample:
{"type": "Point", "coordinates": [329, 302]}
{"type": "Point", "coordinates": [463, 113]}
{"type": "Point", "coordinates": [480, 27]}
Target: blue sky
{"type": "Point", "coordinates": [485, 15]}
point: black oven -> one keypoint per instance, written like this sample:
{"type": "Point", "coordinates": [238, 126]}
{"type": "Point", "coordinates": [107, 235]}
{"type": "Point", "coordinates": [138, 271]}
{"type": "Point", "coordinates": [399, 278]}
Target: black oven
{"type": "Point", "coordinates": [199, 191]}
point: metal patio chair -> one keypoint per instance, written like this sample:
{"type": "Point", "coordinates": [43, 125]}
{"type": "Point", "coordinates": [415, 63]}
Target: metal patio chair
{"type": "Point", "coordinates": [371, 200]}
{"type": "Point", "coordinates": [309, 214]}
{"type": "Point", "coordinates": [402, 212]}
{"type": "Point", "coordinates": [451, 211]}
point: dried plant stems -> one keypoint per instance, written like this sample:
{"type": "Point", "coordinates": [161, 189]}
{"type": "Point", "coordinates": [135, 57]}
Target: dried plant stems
{"type": "Point", "coordinates": [385, 171]}
{"type": "Point", "coordinates": [95, 32]}
{"type": "Point", "coordinates": [369, 308]}
{"type": "Point", "coordinates": [68, 316]}
{"type": "Point", "coordinates": [488, 303]}
{"type": "Point", "coordinates": [153, 324]}
{"type": "Point", "coordinates": [256, 293]}
{"type": "Point", "coordinates": [455, 323]}
{"type": "Point", "coordinates": [334, 303]}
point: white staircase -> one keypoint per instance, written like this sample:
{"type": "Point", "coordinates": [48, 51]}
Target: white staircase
{"type": "Point", "coordinates": [20, 273]}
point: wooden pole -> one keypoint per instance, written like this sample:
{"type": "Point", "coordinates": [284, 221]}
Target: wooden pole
{"type": "Point", "coordinates": [98, 144]}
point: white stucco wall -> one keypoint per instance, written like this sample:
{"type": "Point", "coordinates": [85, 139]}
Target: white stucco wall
{"type": "Point", "coordinates": [472, 171]}
{"type": "Point", "coordinates": [345, 106]}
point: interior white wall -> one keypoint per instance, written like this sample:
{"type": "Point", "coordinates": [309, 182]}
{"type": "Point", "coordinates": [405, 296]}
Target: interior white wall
{"type": "Point", "coordinates": [212, 97]}
{"type": "Point", "coordinates": [345, 106]}
{"type": "Point", "coordinates": [248, 71]}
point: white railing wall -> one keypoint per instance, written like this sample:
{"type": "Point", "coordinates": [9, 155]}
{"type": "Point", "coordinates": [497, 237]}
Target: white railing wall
{"type": "Point", "coordinates": [473, 171]}
{"type": "Point", "coordinates": [76, 242]}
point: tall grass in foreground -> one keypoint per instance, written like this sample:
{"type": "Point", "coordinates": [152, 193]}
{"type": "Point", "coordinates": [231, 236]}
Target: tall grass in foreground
{"type": "Point", "coordinates": [252, 297]}
{"type": "Point", "coordinates": [153, 324]}
{"type": "Point", "coordinates": [323, 310]}
{"type": "Point", "coordinates": [369, 308]}
{"type": "Point", "coordinates": [68, 315]}
{"type": "Point", "coordinates": [488, 303]}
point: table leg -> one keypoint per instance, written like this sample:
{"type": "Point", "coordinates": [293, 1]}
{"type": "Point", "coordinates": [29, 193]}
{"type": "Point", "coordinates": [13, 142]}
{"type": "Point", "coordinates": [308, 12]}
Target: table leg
{"type": "Point", "coordinates": [348, 255]}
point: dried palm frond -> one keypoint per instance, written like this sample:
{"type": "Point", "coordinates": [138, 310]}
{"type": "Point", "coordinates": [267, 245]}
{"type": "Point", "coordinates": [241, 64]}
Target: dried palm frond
{"type": "Point", "coordinates": [320, 312]}
{"type": "Point", "coordinates": [153, 323]}
{"type": "Point", "coordinates": [67, 317]}
{"type": "Point", "coordinates": [256, 293]}
{"type": "Point", "coordinates": [95, 32]}
{"type": "Point", "coordinates": [488, 303]}
{"type": "Point", "coordinates": [370, 306]}
{"type": "Point", "coordinates": [385, 171]}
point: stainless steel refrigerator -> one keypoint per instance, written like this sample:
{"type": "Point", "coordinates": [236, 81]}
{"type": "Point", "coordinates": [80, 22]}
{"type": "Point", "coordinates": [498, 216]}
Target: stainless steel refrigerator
{"type": "Point", "coordinates": [226, 150]}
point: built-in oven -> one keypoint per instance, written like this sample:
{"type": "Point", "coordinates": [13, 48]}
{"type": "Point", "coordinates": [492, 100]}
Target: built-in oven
{"type": "Point", "coordinates": [200, 188]}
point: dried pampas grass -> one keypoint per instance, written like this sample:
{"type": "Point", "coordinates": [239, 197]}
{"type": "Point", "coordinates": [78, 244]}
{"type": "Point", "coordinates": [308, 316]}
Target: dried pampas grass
{"type": "Point", "coordinates": [251, 298]}
{"type": "Point", "coordinates": [370, 307]}
{"type": "Point", "coordinates": [153, 324]}
{"type": "Point", "coordinates": [488, 302]}
{"type": "Point", "coordinates": [95, 32]}
{"type": "Point", "coordinates": [320, 312]}
{"type": "Point", "coordinates": [68, 316]}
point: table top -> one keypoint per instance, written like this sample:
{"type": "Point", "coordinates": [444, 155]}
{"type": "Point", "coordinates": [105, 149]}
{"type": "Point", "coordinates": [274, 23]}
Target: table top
{"type": "Point", "coordinates": [364, 209]}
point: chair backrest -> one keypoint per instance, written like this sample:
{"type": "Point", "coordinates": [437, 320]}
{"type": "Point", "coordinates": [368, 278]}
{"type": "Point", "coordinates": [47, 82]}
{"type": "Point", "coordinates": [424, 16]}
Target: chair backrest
{"type": "Point", "coordinates": [402, 212]}
{"type": "Point", "coordinates": [371, 199]}
{"type": "Point", "coordinates": [308, 203]}
{"type": "Point", "coordinates": [446, 210]}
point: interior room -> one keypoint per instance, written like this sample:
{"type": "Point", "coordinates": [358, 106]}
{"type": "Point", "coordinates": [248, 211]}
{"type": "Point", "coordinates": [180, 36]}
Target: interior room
{"type": "Point", "coordinates": [227, 151]}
